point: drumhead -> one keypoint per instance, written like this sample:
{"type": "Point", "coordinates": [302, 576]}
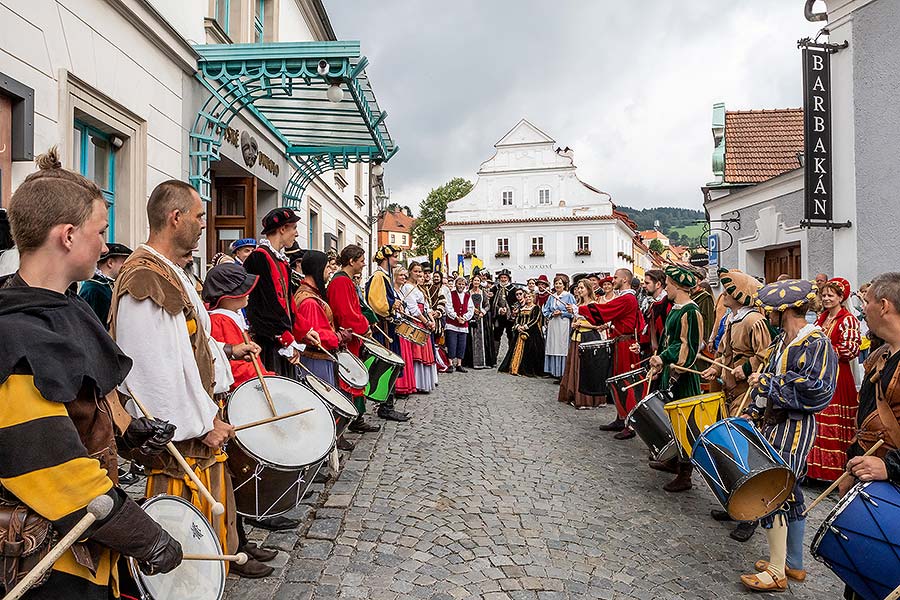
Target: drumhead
{"type": "Point", "coordinates": [637, 374]}
{"type": "Point", "coordinates": [351, 370]}
{"type": "Point", "coordinates": [596, 344]}
{"type": "Point", "coordinates": [290, 443]}
{"type": "Point", "coordinates": [382, 352]}
{"type": "Point", "coordinates": [192, 579]}
{"type": "Point", "coordinates": [333, 397]}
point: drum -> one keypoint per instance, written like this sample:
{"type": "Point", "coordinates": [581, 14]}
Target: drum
{"type": "Point", "coordinates": [691, 416]}
{"type": "Point", "coordinates": [270, 464]}
{"type": "Point", "coordinates": [860, 539]}
{"type": "Point", "coordinates": [748, 477]}
{"type": "Point", "coordinates": [384, 368]}
{"type": "Point", "coordinates": [410, 330]}
{"type": "Point", "coordinates": [344, 411]}
{"type": "Point", "coordinates": [595, 363]}
{"type": "Point", "coordinates": [192, 579]}
{"type": "Point", "coordinates": [623, 398]}
{"type": "Point", "coordinates": [649, 421]}
{"type": "Point", "coordinates": [352, 373]}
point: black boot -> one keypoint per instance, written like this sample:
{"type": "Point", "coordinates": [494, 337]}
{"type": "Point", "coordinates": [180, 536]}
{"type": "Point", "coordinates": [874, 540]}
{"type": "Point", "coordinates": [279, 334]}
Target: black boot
{"type": "Point", "coordinates": [359, 425]}
{"type": "Point", "coordinates": [617, 425]}
{"type": "Point", "coordinates": [682, 481]}
{"type": "Point", "coordinates": [274, 523]}
{"type": "Point", "coordinates": [255, 552]}
{"type": "Point", "coordinates": [744, 531]}
{"type": "Point", "coordinates": [720, 515]}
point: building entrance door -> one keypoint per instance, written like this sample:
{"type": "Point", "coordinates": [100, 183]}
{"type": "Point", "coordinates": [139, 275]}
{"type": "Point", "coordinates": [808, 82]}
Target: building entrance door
{"type": "Point", "coordinates": [233, 213]}
{"type": "Point", "coordinates": [783, 261]}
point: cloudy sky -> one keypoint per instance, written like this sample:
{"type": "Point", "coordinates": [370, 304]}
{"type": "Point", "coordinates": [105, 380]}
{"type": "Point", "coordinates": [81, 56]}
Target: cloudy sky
{"type": "Point", "coordinates": [629, 85]}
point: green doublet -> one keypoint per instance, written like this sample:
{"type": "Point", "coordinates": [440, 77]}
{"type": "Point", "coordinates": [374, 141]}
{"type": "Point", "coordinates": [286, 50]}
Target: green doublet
{"type": "Point", "coordinates": [680, 345]}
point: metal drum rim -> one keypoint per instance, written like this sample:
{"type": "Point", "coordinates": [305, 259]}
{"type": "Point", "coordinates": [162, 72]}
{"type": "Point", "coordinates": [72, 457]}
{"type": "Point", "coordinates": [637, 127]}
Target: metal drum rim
{"type": "Point", "coordinates": [838, 508]}
{"type": "Point", "coordinates": [329, 403]}
{"type": "Point", "coordinates": [354, 360]}
{"type": "Point", "coordinates": [626, 374]}
{"type": "Point", "coordinates": [383, 353]}
{"type": "Point", "coordinates": [598, 344]}
{"type": "Point", "coordinates": [136, 573]}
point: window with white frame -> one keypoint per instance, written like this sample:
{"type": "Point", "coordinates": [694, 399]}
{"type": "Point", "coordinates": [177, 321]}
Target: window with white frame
{"type": "Point", "coordinates": [583, 243]}
{"type": "Point", "coordinates": [537, 244]}
{"type": "Point", "coordinates": [503, 245]}
{"type": "Point", "coordinates": [506, 197]}
{"type": "Point", "coordinates": [544, 196]}
{"type": "Point", "coordinates": [469, 247]}
{"type": "Point", "coordinates": [393, 238]}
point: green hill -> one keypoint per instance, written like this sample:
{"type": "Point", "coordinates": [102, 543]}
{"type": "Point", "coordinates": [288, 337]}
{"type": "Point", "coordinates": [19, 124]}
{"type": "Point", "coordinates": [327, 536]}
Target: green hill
{"type": "Point", "coordinates": [679, 224]}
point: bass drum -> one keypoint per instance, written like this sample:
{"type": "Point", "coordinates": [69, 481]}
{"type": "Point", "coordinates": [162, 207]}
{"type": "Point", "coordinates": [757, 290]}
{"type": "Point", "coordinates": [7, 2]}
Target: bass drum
{"type": "Point", "coordinates": [343, 409]}
{"type": "Point", "coordinates": [352, 373]}
{"type": "Point", "coordinates": [649, 421]}
{"type": "Point", "coordinates": [273, 464]}
{"type": "Point", "coordinates": [192, 579]}
{"type": "Point", "coordinates": [384, 368]}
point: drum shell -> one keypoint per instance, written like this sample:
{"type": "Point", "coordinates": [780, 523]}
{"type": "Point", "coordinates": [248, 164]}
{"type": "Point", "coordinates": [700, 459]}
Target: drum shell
{"type": "Point", "coordinates": [341, 407]}
{"type": "Point", "coordinates": [745, 473]}
{"type": "Point", "coordinates": [411, 331]}
{"type": "Point", "coordinates": [649, 421]}
{"type": "Point", "coordinates": [262, 491]}
{"type": "Point", "coordinates": [619, 395]}
{"type": "Point", "coordinates": [859, 539]}
{"type": "Point", "coordinates": [692, 416]}
{"type": "Point", "coordinates": [347, 382]}
{"type": "Point", "coordinates": [383, 374]}
{"type": "Point", "coordinates": [595, 366]}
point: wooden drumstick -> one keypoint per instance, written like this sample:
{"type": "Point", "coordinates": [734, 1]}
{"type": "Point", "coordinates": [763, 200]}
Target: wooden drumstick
{"type": "Point", "coordinates": [259, 375]}
{"type": "Point", "coordinates": [239, 558]}
{"type": "Point", "coordinates": [217, 507]}
{"type": "Point", "coordinates": [746, 397]}
{"type": "Point", "coordinates": [686, 369]}
{"type": "Point", "coordinates": [386, 336]}
{"type": "Point", "coordinates": [272, 419]}
{"type": "Point", "coordinates": [840, 479]}
{"type": "Point", "coordinates": [714, 362]}
{"type": "Point", "coordinates": [895, 594]}
{"type": "Point", "coordinates": [641, 382]}
{"type": "Point", "coordinates": [97, 510]}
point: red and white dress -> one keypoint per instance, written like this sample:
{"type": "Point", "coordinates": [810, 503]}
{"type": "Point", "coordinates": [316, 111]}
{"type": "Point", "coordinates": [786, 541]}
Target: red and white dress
{"type": "Point", "coordinates": [423, 356]}
{"type": "Point", "coordinates": [406, 383]}
{"type": "Point", "coordinates": [837, 423]}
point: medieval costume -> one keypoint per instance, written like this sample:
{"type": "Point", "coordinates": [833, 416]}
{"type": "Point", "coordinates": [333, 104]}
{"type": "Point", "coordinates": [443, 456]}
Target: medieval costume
{"type": "Point", "coordinates": [559, 329]}
{"type": "Point", "coordinates": [707, 306]}
{"type": "Point", "coordinates": [158, 319]}
{"type": "Point", "coordinates": [59, 416]}
{"type": "Point", "coordinates": [837, 423]}
{"type": "Point", "coordinates": [501, 309]}
{"type": "Point", "coordinates": [797, 382]}
{"type": "Point", "coordinates": [526, 355]}
{"type": "Point", "coordinates": [98, 290]}
{"type": "Point", "coordinates": [312, 308]}
{"type": "Point", "coordinates": [344, 300]}
{"type": "Point", "coordinates": [543, 291]}
{"type": "Point", "coordinates": [480, 345]}
{"type": "Point", "coordinates": [424, 366]}
{"type": "Point", "coordinates": [460, 310]}
{"type": "Point", "coordinates": [582, 331]}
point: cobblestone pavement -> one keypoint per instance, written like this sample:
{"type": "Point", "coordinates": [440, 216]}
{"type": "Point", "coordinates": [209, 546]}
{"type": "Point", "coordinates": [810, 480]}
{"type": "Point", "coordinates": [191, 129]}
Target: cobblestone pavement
{"type": "Point", "coordinates": [495, 490]}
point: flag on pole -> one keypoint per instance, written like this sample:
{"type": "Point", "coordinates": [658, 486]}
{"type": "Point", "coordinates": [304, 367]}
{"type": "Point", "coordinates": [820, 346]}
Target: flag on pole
{"type": "Point", "coordinates": [460, 265]}
{"type": "Point", "coordinates": [477, 262]}
{"type": "Point", "coordinates": [437, 258]}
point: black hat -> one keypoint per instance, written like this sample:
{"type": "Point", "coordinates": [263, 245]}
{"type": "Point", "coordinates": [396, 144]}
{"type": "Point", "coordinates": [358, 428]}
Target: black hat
{"type": "Point", "coordinates": [294, 253]}
{"type": "Point", "coordinates": [504, 272]}
{"type": "Point", "coordinates": [228, 280]}
{"type": "Point", "coordinates": [113, 249]}
{"type": "Point", "coordinates": [277, 217]}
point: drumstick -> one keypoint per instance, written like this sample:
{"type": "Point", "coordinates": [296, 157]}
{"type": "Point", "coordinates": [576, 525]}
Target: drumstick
{"type": "Point", "coordinates": [714, 362]}
{"type": "Point", "coordinates": [637, 364]}
{"type": "Point", "coordinates": [259, 375]}
{"type": "Point", "coordinates": [686, 369]}
{"type": "Point", "coordinates": [240, 558]}
{"type": "Point", "coordinates": [840, 479]}
{"type": "Point", "coordinates": [272, 419]}
{"type": "Point", "coordinates": [641, 382]}
{"type": "Point", "coordinates": [386, 336]}
{"type": "Point", "coordinates": [895, 594]}
{"type": "Point", "coordinates": [97, 510]}
{"type": "Point", "coordinates": [217, 507]}
{"type": "Point", "coordinates": [746, 397]}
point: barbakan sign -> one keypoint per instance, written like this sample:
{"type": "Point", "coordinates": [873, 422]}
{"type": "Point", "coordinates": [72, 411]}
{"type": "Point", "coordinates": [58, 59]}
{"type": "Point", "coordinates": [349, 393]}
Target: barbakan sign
{"type": "Point", "coordinates": [819, 198]}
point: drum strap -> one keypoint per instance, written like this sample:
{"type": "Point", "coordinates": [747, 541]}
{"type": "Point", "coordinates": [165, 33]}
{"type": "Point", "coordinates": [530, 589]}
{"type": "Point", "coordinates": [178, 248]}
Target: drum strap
{"type": "Point", "coordinates": [888, 418]}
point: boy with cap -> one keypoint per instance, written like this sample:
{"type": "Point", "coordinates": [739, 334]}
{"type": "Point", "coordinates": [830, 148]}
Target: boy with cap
{"type": "Point", "coordinates": [241, 249]}
{"type": "Point", "coordinates": [98, 290]}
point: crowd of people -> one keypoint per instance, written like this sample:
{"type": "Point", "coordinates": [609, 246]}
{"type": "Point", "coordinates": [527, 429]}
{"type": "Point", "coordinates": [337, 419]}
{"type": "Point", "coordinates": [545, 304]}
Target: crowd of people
{"type": "Point", "coordinates": [99, 337]}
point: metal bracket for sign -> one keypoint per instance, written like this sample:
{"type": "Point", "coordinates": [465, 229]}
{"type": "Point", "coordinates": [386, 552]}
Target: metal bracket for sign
{"type": "Point", "coordinates": [827, 47]}
{"type": "Point", "coordinates": [825, 224]}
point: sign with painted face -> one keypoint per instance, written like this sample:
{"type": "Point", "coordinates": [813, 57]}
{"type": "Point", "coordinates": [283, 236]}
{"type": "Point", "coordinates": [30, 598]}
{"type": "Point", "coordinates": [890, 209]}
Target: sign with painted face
{"type": "Point", "coordinates": [818, 197]}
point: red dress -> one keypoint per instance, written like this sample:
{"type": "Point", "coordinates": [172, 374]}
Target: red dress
{"type": "Point", "coordinates": [224, 328]}
{"type": "Point", "coordinates": [837, 423]}
{"type": "Point", "coordinates": [406, 383]}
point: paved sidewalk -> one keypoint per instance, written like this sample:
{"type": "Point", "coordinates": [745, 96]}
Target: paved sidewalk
{"type": "Point", "coordinates": [495, 490]}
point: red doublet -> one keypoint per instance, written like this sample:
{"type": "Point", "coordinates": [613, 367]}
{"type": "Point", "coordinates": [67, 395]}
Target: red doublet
{"type": "Point", "coordinates": [313, 313]}
{"type": "Point", "coordinates": [278, 271]}
{"type": "Point", "coordinates": [344, 303]}
{"type": "Point", "coordinates": [225, 330]}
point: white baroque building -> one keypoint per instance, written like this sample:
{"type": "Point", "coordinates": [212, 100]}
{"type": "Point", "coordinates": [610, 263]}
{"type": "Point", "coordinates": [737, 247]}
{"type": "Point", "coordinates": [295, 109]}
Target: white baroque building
{"type": "Point", "coordinates": [528, 212]}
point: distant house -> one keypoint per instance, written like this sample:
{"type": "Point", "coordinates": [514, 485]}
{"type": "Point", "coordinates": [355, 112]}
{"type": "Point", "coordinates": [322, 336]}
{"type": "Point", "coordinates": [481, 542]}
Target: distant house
{"type": "Point", "coordinates": [395, 227]}
{"type": "Point", "coordinates": [652, 234]}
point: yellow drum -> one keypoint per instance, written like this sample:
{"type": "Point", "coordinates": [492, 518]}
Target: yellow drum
{"type": "Point", "coordinates": [691, 416]}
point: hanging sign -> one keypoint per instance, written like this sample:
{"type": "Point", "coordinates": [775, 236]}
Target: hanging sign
{"type": "Point", "coordinates": [819, 198]}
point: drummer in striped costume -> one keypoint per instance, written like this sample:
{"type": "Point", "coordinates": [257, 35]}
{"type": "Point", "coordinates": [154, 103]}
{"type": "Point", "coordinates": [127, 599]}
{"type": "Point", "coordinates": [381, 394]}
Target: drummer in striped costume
{"type": "Point", "coordinates": [58, 424]}
{"type": "Point", "coordinates": [797, 382]}
{"type": "Point", "coordinates": [679, 347]}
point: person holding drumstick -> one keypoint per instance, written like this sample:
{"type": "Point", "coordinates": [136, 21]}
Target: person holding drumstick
{"type": "Point", "coordinates": [797, 382]}
{"type": "Point", "coordinates": [60, 425]}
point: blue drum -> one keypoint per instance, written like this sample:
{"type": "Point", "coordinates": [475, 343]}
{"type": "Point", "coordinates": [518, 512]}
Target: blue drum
{"type": "Point", "coordinates": [860, 539]}
{"type": "Point", "coordinates": [748, 477]}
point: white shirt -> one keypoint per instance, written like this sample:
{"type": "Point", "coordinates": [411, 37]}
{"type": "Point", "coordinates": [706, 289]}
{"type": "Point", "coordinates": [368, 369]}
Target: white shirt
{"type": "Point", "coordinates": [165, 376]}
{"type": "Point", "coordinates": [414, 297]}
{"type": "Point", "coordinates": [470, 312]}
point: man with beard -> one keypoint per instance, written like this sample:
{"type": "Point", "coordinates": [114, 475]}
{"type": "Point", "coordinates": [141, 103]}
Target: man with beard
{"type": "Point", "coordinates": [501, 306]}
{"type": "Point", "coordinates": [657, 309]}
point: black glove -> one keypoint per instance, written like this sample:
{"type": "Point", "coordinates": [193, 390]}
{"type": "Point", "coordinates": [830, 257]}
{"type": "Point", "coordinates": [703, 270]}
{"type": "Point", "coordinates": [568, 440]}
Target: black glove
{"type": "Point", "coordinates": [164, 555]}
{"type": "Point", "coordinates": [148, 435]}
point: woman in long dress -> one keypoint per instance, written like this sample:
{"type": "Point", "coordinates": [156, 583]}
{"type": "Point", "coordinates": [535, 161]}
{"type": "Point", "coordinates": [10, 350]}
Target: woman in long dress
{"type": "Point", "coordinates": [526, 356]}
{"type": "Point", "coordinates": [837, 423]}
{"type": "Point", "coordinates": [581, 331]}
{"type": "Point", "coordinates": [480, 347]}
{"type": "Point", "coordinates": [406, 383]}
{"type": "Point", "coordinates": [559, 322]}
{"type": "Point", "coordinates": [419, 309]}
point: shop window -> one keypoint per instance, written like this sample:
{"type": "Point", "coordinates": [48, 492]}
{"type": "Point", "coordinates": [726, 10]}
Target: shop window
{"type": "Point", "coordinates": [544, 196]}
{"type": "Point", "coordinates": [95, 158]}
{"type": "Point", "coordinates": [506, 198]}
{"type": "Point", "coordinates": [470, 247]}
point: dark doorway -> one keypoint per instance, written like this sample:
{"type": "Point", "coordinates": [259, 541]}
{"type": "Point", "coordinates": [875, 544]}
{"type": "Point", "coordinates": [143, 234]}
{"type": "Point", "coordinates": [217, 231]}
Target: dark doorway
{"type": "Point", "coordinates": [232, 214]}
{"type": "Point", "coordinates": [783, 261]}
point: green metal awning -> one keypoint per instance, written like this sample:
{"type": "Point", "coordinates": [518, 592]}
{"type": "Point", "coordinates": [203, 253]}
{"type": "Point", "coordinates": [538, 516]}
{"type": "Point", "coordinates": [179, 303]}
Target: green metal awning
{"type": "Point", "coordinates": [282, 86]}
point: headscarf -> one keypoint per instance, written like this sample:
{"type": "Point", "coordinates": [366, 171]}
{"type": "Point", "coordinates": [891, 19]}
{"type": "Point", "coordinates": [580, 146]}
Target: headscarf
{"type": "Point", "coordinates": [313, 265]}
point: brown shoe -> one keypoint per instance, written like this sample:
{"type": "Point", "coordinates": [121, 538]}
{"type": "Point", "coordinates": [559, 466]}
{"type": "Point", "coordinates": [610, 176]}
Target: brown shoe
{"type": "Point", "coordinates": [755, 584]}
{"type": "Point", "coordinates": [682, 481]}
{"type": "Point", "coordinates": [252, 569]}
{"type": "Point", "coordinates": [669, 466]}
{"type": "Point", "coordinates": [260, 554]}
{"type": "Point", "coordinates": [795, 574]}
{"type": "Point", "coordinates": [625, 434]}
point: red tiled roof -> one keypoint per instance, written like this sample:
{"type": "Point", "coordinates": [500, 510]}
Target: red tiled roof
{"type": "Point", "coordinates": [762, 144]}
{"type": "Point", "coordinates": [395, 221]}
{"type": "Point", "coordinates": [540, 220]}
{"type": "Point", "coordinates": [652, 234]}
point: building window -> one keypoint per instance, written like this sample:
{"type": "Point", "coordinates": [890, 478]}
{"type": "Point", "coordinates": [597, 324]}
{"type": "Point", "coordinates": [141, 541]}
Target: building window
{"type": "Point", "coordinates": [403, 239]}
{"type": "Point", "coordinates": [341, 237]}
{"type": "Point", "coordinates": [544, 196]}
{"type": "Point", "coordinates": [502, 247]}
{"type": "Point", "coordinates": [95, 159]}
{"type": "Point", "coordinates": [393, 238]}
{"type": "Point", "coordinates": [359, 241]}
{"type": "Point", "coordinates": [313, 230]}
{"type": "Point", "coordinates": [537, 246]}
{"type": "Point", "coordinates": [584, 243]}
{"type": "Point", "coordinates": [223, 14]}
{"type": "Point", "coordinates": [259, 20]}
{"type": "Point", "coordinates": [470, 247]}
{"type": "Point", "coordinates": [506, 197]}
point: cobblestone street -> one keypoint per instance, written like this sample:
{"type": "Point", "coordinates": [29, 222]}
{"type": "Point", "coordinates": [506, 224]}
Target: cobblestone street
{"type": "Point", "coordinates": [495, 490]}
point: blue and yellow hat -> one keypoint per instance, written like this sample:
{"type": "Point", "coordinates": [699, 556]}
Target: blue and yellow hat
{"type": "Point", "coordinates": [385, 251]}
{"type": "Point", "coordinates": [782, 295]}
{"type": "Point", "coordinates": [681, 276]}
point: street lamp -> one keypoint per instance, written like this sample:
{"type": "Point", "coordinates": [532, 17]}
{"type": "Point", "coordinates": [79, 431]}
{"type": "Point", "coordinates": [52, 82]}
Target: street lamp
{"type": "Point", "coordinates": [335, 93]}
{"type": "Point", "coordinates": [377, 169]}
